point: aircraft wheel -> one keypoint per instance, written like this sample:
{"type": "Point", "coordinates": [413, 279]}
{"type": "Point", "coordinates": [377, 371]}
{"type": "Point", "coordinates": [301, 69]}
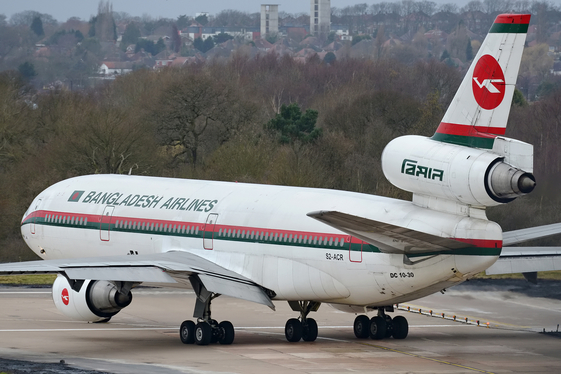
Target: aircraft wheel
{"type": "Point", "coordinates": [226, 332]}
{"type": "Point", "coordinates": [215, 331]}
{"type": "Point", "coordinates": [362, 327]}
{"type": "Point", "coordinates": [310, 330]}
{"type": "Point", "coordinates": [389, 326]}
{"type": "Point", "coordinates": [203, 333]}
{"type": "Point", "coordinates": [187, 332]}
{"type": "Point", "coordinates": [293, 330]}
{"type": "Point", "coordinates": [400, 327]}
{"type": "Point", "coordinates": [377, 328]}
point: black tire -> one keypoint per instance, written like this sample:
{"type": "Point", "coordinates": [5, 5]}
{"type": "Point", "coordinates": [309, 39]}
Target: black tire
{"type": "Point", "coordinates": [362, 327]}
{"type": "Point", "coordinates": [187, 332]}
{"type": "Point", "coordinates": [215, 337]}
{"type": "Point", "coordinates": [227, 332]}
{"type": "Point", "coordinates": [293, 330]}
{"type": "Point", "coordinates": [400, 327]}
{"type": "Point", "coordinates": [377, 328]}
{"type": "Point", "coordinates": [389, 327]}
{"type": "Point", "coordinates": [310, 330]}
{"type": "Point", "coordinates": [203, 333]}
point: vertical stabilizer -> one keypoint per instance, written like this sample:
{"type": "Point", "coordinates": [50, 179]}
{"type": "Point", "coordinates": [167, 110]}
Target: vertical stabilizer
{"type": "Point", "coordinates": [480, 109]}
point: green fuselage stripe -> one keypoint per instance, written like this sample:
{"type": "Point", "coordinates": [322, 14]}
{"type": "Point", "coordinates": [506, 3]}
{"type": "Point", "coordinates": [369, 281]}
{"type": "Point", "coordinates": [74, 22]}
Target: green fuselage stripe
{"type": "Point", "coordinates": [511, 28]}
{"type": "Point", "coordinates": [467, 141]}
{"type": "Point", "coordinates": [239, 234]}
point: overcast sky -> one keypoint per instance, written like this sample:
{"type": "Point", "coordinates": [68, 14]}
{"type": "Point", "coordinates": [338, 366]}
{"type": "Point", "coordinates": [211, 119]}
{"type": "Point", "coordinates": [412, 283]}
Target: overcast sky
{"type": "Point", "coordinates": [84, 9]}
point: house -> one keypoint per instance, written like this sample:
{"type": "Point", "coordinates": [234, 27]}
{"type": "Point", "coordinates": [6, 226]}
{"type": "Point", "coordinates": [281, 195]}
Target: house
{"type": "Point", "coordinates": [115, 68]}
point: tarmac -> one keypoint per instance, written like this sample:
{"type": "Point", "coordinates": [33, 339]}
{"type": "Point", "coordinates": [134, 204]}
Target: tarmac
{"type": "Point", "coordinates": [478, 327]}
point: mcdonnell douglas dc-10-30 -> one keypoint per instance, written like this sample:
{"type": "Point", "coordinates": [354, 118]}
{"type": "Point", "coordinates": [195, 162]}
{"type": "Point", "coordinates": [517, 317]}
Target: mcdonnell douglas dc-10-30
{"type": "Point", "coordinates": [106, 234]}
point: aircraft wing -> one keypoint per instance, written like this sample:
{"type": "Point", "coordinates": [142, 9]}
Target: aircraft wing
{"type": "Point", "coordinates": [388, 238]}
{"type": "Point", "coordinates": [166, 267]}
{"type": "Point", "coordinates": [526, 260]}
{"type": "Point", "coordinates": [524, 235]}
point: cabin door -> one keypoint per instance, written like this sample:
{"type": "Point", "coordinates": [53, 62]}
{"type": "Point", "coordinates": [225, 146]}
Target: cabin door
{"type": "Point", "coordinates": [34, 219]}
{"type": "Point", "coordinates": [105, 223]}
{"type": "Point", "coordinates": [355, 250]}
{"type": "Point", "coordinates": [208, 234]}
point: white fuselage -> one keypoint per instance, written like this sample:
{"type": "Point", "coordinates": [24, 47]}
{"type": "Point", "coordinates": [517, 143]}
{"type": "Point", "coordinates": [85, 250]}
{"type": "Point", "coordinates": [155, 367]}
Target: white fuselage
{"type": "Point", "coordinates": [259, 231]}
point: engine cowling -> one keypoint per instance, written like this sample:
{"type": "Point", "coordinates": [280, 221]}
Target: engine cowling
{"type": "Point", "coordinates": [466, 175]}
{"type": "Point", "coordinates": [92, 302]}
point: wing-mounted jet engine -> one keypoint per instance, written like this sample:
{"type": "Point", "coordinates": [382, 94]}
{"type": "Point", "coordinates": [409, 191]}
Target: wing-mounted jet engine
{"type": "Point", "coordinates": [89, 300]}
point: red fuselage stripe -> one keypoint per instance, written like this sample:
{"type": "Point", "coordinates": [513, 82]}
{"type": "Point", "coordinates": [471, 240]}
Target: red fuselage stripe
{"type": "Point", "coordinates": [466, 130]}
{"type": "Point", "coordinates": [92, 218]}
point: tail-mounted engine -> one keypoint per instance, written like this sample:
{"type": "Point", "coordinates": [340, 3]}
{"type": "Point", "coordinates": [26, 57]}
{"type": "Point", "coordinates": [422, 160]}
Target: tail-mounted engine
{"type": "Point", "coordinates": [470, 176]}
{"type": "Point", "coordinates": [89, 300]}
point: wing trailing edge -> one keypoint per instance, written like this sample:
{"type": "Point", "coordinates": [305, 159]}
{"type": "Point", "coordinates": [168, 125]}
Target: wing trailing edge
{"type": "Point", "coordinates": [387, 237]}
{"type": "Point", "coordinates": [526, 260]}
{"type": "Point", "coordinates": [524, 235]}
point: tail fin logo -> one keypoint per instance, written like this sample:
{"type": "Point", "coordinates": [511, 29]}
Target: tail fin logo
{"type": "Point", "coordinates": [488, 83]}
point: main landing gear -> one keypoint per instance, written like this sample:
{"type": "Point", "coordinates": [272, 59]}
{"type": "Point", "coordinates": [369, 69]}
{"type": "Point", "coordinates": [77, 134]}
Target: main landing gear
{"type": "Point", "coordinates": [302, 328]}
{"type": "Point", "coordinates": [381, 326]}
{"type": "Point", "coordinates": [207, 330]}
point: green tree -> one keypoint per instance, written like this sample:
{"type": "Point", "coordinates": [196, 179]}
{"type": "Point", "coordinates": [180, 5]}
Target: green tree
{"type": "Point", "coordinates": [518, 98]}
{"type": "Point", "coordinates": [103, 24]}
{"type": "Point", "coordinates": [329, 58]}
{"type": "Point", "coordinates": [175, 39]}
{"type": "Point", "coordinates": [37, 26]}
{"type": "Point", "coordinates": [27, 70]}
{"type": "Point", "coordinates": [182, 21]}
{"type": "Point", "coordinates": [202, 19]}
{"type": "Point", "coordinates": [469, 51]}
{"type": "Point", "coordinates": [294, 126]}
{"type": "Point", "coordinates": [130, 36]}
{"type": "Point", "coordinates": [198, 44]}
{"type": "Point", "coordinates": [149, 46]}
{"type": "Point", "coordinates": [360, 38]}
{"type": "Point", "coordinates": [272, 38]}
{"type": "Point", "coordinates": [203, 46]}
{"type": "Point", "coordinates": [208, 44]}
{"type": "Point", "coordinates": [222, 37]}
{"type": "Point", "coordinates": [160, 46]}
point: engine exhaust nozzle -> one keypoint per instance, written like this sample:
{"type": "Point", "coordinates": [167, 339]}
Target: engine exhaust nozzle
{"type": "Point", "coordinates": [504, 182]}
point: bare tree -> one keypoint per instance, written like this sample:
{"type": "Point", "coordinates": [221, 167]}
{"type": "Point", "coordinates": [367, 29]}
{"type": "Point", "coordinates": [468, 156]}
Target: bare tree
{"type": "Point", "coordinates": [196, 110]}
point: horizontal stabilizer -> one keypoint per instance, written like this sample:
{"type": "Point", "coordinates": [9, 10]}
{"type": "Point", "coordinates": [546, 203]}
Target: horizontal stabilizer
{"type": "Point", "coordinates": [524, 235]}
{"type": "Point", "coordinates": [526, 260]}
{"type": "Point", "coordinates": [387, 237]}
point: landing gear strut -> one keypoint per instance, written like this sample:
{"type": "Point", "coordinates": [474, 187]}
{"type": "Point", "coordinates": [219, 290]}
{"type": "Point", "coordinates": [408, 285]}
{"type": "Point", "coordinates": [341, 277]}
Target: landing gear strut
{"type": "Point", "coordinates": [381, 326]}
{"type": "Point", "coordinates": [303, 328]}
{"type": "Point", "coordinates": [207, 330]}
